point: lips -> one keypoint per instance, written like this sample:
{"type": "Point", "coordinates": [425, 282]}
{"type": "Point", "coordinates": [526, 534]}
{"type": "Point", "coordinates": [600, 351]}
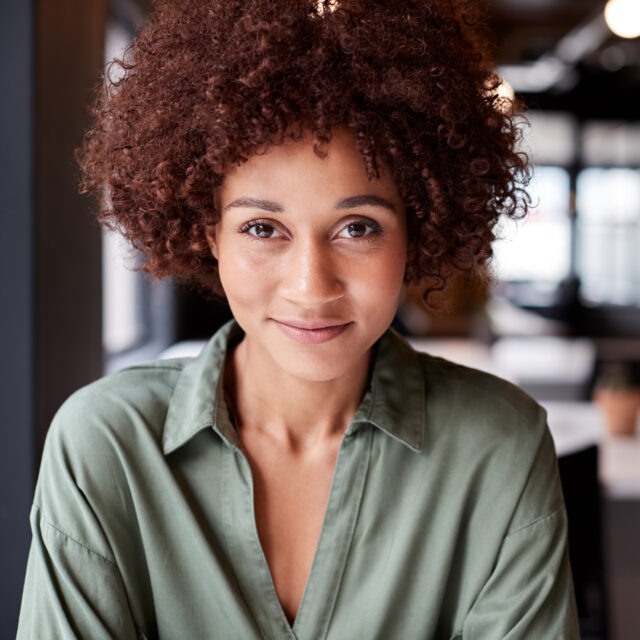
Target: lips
{"type": "Point", "coordinates": [314, 332]}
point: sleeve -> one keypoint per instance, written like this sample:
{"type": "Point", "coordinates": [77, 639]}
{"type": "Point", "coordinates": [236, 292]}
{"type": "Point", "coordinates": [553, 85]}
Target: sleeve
{"type": "Point", "coordinates": [71, 591]}
{"type": "Point", "coordinates": [73, 586]}
{"type": "Point", "coordinates": [529, 593]}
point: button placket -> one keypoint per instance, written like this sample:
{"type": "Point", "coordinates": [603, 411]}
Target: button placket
{"type": "Point", "coordinates": [336, 534]}
{"type": "Point", "coordinates": [252, 569]}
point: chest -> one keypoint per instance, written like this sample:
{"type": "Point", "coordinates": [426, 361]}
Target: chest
{"type": "Point", "coordinates": [291, 493]}
{"type": "Point", "coordinates": [386, 547]}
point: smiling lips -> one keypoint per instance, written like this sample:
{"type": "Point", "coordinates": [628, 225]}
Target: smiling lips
{"type": "Point", "coordinates": [311, 332]}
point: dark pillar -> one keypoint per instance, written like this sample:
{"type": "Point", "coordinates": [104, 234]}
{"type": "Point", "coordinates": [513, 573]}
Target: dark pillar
{"type": "Point", "coordinates": [16, 301]}
{"type": "Point", "coordinates": [69, 58]}
{"type": "Point", "coordinates": [50, 262]}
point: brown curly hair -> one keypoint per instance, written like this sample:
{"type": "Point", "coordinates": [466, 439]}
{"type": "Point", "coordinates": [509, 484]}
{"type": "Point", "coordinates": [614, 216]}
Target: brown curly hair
{"type": "Point", "coordinates": [208, 83]}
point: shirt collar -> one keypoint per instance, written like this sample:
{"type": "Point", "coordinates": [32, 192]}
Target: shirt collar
{"type": "Point", "coordinates": [394, 402]}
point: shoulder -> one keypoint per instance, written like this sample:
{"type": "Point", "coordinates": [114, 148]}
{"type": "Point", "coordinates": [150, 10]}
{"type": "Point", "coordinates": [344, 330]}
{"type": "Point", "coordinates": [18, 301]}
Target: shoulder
{"type": "Point", "coordinates": [118, 406]}
{"type": "Point", "coordinates": [480, 404]}
{"type": "Point", "coordinates": [454, 403]}
{"type": "Point", "coordinates": [104, 441]}
{"type": "Point", "coordinates": [106, 434]}
{"type": "Point", "coordinates": [491, 432]}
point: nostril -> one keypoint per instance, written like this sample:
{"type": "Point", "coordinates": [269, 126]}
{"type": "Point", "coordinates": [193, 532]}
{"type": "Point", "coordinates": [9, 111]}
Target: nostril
{"type": "Point", "coordinates": [312, 291]}
{"type": "Point", "coordinates": [312, 278]}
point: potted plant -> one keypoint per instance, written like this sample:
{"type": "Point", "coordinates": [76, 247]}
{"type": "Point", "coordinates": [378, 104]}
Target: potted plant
{"type": "Point", "coordinates": [618, 394]}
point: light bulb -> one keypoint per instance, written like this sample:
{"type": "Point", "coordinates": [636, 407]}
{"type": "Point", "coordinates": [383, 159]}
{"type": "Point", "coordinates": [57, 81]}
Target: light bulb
{"type": "Point", "coordinates": [623, 17]}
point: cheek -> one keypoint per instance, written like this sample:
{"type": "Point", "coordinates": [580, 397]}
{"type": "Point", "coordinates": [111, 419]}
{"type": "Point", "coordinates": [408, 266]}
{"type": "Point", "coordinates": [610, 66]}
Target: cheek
{"type": "Point", "coordinates": [380, 282]}
{"type": "Point", "coordinates": [246, 280]}
{"type": "Point", "coordinates": [391, 268]}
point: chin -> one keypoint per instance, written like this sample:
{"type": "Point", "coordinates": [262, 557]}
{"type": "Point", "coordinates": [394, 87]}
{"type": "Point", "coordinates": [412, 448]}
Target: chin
{"type": "Point", "coordinates": [323, 362]}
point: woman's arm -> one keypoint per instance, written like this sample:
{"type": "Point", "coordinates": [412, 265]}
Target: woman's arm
{"type": "Point", "coordinates": [71, 591]}
{"type": "Point", "coordinates": [529, 593]}
{"type": "Point", "coordinates": [73, 586]}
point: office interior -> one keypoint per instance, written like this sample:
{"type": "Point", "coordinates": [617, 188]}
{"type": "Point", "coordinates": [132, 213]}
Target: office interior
{"type": "Point", "coordinates": [560, 318]}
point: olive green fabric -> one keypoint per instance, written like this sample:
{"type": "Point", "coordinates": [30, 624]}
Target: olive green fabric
{"type": "Point", "coordinates": [445, 517]}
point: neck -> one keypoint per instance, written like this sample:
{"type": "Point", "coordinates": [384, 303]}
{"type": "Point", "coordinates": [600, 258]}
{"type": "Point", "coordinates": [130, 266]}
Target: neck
{"type": "Point", "coordinates": [294, 413]}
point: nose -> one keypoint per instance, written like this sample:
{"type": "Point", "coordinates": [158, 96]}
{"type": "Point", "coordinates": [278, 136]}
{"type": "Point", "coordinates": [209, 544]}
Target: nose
{"type": "Point", "coordinates": [311, 276]}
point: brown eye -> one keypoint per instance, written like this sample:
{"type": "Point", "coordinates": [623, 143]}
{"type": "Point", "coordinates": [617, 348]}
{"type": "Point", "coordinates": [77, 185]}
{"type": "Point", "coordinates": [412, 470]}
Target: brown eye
{"type": "Point", "coordinates": [360, 229]}
{"type": "Point", "coordinates": [263, 231]}
{"type": "Point", "coordinates": [357, 229]}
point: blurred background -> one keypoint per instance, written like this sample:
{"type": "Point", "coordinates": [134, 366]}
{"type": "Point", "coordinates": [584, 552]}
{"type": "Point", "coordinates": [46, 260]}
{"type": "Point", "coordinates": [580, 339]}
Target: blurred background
{"type": "Point", "coordinates": [562, 319]}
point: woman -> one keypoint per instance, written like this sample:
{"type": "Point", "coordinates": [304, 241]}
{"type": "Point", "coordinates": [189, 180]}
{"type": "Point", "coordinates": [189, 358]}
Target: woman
{"type": "Point", "coordinates": [308, 475]}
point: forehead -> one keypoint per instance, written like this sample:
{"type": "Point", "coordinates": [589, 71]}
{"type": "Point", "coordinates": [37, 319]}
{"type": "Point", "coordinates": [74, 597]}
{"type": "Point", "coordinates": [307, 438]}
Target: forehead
{"type": "Point", "coordinates": [293, 169]}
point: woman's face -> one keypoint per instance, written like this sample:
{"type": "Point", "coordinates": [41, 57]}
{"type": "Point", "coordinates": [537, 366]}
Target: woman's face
{"type": "Point", "coordinates": [311, 255]}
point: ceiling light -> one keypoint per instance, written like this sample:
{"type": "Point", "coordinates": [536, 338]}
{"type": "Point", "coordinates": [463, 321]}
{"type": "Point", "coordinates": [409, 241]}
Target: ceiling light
{"type": "Point", "coordinates": [623, 17]}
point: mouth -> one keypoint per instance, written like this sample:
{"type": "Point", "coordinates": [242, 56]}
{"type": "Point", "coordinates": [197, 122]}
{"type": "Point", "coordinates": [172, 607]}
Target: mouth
{"type": "Point", "coordinates": [312, 332]}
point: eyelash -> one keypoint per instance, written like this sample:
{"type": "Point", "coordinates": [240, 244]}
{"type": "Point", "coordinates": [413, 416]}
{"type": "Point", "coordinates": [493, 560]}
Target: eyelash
{"type": "Point", "coordinates": [376, 229]}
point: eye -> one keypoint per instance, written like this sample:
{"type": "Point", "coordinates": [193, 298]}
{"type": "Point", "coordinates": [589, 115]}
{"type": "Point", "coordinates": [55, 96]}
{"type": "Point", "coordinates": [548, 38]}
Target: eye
{"type": "Point", "coordinates": [261, 230]}
{"type": "Point", "coordinates": [359, 229]}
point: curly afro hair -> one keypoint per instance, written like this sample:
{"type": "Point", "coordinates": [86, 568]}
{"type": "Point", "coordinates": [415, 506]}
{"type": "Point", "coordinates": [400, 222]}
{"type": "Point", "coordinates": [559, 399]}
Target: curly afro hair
{"type": "Point", "coordinates": [208, 83]}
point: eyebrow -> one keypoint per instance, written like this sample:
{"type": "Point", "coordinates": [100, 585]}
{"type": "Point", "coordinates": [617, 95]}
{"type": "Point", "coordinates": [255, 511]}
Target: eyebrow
{"type": "Point", "coordinates": [347, 203]}
{"type": "Point", "coordinates": [255, 203]}
{"type": "Point", "coordinates": [361, 201]}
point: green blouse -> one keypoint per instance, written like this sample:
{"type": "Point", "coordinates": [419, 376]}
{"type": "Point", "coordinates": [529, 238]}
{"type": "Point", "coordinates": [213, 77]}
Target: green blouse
{"type": "Point", "coordinates": [445, 517]}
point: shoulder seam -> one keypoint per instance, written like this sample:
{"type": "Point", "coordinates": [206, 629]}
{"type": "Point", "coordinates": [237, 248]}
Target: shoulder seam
{"type": "Point", "coordinates": [74, 540]}
{"type": "Point", "coordinates": [152, 365]}
{"type": "Point", "coordinates": [551, 513]}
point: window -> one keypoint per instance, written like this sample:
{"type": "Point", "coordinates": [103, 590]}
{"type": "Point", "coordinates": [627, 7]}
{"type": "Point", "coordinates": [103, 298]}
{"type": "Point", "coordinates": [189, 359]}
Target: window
{"type": "Point", "coordinates": [608, 235]}
{"type": "Point", "coordinates": [600, 162]}
{"type": "Point", "coordinates": [538, 248]}
{"type": "Point", "coordinates": [137, 313]}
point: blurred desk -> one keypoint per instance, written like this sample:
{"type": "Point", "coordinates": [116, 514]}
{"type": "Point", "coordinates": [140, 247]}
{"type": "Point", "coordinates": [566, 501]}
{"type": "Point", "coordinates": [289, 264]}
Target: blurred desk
{"type": "Point", "coordinates": [466, 351]}
{"type": "Point", "coordinates": [546, 367]}
{"type": "Point", "coordinates": [553, 368]}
